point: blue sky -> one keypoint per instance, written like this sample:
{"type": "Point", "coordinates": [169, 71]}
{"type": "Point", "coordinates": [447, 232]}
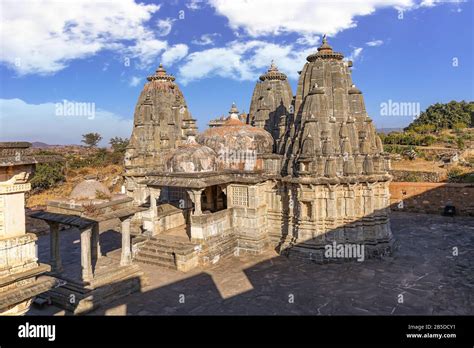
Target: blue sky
{"type": "Point", "coordinates": [416, 51]}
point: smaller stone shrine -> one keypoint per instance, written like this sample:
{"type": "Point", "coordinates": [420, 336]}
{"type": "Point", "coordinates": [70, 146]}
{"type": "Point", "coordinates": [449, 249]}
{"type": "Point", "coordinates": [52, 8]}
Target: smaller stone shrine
{"type": "Point", "coordinates": [21, 275]}
{"type": "Point", "coordinates": [97, 278]}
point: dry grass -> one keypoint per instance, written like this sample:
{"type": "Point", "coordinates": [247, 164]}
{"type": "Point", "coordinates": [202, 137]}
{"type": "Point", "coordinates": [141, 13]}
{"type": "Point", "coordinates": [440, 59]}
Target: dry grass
{"type": "Point", "coordinates": [110, 176]}
{"type": "Point", "coordinates": [418, 164]}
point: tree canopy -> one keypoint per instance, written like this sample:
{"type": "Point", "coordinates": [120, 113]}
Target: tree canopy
{"type": "Point", "coordinates": [91, 139]}
{"type": "Point", "coordinates": [452, 115]}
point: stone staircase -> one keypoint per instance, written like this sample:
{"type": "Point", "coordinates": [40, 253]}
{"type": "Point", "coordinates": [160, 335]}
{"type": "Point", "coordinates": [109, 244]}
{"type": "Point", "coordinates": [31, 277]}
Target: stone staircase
{"type": "Point", "coordinates": [167, 251]}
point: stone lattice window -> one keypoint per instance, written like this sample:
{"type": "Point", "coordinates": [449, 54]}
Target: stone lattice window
{"type": "Point", "coordinates": [175, 194]}
{"type": "Point", "coordinates": [240, 196]}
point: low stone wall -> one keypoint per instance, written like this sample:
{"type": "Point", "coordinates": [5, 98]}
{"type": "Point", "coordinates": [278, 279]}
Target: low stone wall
{"type": "Point", "coordinates": [210, 225]}
{"type": "Point", "coordinates": [416, 176]}
{"type": "Point", "coordinates": [431, 198]}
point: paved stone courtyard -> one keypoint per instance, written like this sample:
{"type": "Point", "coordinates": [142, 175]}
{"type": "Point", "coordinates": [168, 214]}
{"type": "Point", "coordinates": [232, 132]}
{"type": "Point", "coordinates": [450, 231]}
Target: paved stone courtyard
{"type": "Point", "coordinates": [422, 278]}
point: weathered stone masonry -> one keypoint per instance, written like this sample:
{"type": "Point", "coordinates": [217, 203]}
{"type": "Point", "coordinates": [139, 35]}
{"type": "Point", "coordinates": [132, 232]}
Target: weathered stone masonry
{"type": "Point", "coordinates": [305, 171]}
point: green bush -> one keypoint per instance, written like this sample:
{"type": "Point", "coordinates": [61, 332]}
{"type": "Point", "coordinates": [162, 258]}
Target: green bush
{"type": "Point", "coordinates": [409, 138]}
{"type": "Point", "coordinates": [428, 140]}
{"type": "Point", "coordinates": [47, 175]}
{"type": "Point", "coordinates": [459, 126]}
{"type": "Point", "coordinates": [454, 174]}
{"type": "Point", "coordinates": [412, 177]}
{"type": "Point", "coordinates": [99, 158]}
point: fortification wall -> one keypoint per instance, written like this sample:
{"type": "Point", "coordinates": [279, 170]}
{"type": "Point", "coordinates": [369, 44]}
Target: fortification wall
{"type": "Point", "coordinates": [431, 198]}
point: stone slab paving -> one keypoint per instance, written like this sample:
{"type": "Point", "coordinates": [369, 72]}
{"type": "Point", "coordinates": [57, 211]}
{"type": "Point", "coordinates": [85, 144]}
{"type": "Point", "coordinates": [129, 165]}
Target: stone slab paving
{"type": "Point", "coordinates": [423, 277]}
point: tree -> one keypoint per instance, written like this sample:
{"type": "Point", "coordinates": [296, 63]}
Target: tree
{"type": "Point", "coordinates": [445, 116]}
{"type": "Point", "coordinates": [91, 139]}
{"type": "Point", "coordinates": [119, 144]}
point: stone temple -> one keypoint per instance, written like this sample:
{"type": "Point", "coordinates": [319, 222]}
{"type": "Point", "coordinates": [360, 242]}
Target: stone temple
{"type": "Point", "coordinates": [302, 172]}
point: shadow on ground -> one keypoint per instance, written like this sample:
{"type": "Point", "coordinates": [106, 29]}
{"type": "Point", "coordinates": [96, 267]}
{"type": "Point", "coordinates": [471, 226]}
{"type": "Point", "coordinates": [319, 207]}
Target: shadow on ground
{"type": "Point", "coordinates": [423, 277]}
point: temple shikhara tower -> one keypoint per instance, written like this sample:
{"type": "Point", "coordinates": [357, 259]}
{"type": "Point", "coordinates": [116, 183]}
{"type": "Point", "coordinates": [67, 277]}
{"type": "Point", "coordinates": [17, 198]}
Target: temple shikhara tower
{"type": "Point", "coordinates": [299, 173]}
{"type": "Point", "coordinates": [162, 122]}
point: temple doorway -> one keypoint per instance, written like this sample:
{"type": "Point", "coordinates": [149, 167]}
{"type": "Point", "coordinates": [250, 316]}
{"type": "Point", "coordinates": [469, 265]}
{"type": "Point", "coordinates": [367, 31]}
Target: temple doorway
{"type": "Point", "coordinates": [213, 199]}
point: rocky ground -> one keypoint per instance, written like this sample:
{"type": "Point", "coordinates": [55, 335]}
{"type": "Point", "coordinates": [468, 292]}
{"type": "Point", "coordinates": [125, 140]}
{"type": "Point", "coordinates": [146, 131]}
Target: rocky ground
{"type": "Point", "coordinates": [430, 273]}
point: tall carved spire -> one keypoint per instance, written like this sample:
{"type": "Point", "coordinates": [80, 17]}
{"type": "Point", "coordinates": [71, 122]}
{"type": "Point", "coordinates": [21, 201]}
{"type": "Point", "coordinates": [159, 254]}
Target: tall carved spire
{"type": "Point", "coordinates": [161, 122]}
{"type": "Point", "coordinates": [271, 106]}
{"type": "Point", "coordinates": [328, 106]}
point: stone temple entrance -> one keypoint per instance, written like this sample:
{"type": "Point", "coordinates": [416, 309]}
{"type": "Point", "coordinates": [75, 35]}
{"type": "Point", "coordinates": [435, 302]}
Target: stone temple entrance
{"type": "Point", "coordinates": [213, 199]}
{"type": "Point", "coordinates": [178, 217]}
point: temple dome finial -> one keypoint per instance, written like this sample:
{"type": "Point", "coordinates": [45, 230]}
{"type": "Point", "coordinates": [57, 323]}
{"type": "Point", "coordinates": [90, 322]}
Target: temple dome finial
{"type": "Point", "coordinates": [233, 112]}
{"type": "Point", "coordinates": [273, 73]}
{"type": "Point", "coordinates": [160, 74]}
{"type": "Point", "coordinates": [272, 67]}
{"type": "Point", "coordinates": [325, 51]}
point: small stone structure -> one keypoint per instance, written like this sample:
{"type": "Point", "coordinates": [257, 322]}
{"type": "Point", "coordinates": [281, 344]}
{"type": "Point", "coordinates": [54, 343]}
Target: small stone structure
{"type": "Point", "coordinates": [304, 172]}
{"type": "Point", "coordinates": [91, 209]}
{"type": "Point", "coordinates": [21, 276]}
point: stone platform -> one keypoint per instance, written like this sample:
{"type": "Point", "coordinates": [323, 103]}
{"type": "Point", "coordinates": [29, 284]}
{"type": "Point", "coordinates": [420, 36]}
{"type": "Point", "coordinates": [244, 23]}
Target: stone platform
{"type": "Point", "coordinates": [110, 282]}
{"type": "Point", "coordinates": [422, 269]}
{"type": "Point", "coordinates": [110, 279]}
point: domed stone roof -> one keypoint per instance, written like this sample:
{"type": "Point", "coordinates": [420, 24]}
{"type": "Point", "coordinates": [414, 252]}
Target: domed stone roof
{"type": "Point", "coordinates": [192, 157]}
{"type": "Point", "coordinates": [325, 51]}
{"type": "Point", "coordinates": [88, 189]}
{"type": "Point", "coordinates": [235, 136]}
{"type": "Point", "coordinates": [273, 74]}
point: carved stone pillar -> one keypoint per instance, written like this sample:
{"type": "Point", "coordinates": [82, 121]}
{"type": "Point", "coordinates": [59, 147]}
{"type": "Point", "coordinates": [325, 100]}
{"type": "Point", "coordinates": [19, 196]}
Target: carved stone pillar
{"type": "Point", "coordinates": [126, 257]}
{"type": "Point", "coordinates": [96, 252]}
{"type": "Point", "coordinates": [55, 257]}
{"type": "Point", "coordinates": [154, 195]}
{"type": "Point", "coordinates": [86, 260]}
{"type": "Point", "coordinates": [195, 196]}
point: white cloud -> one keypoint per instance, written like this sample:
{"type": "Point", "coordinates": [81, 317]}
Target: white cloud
{"type": "Point", "coordinates": [206, 39]}
{"type": "Point", "coordinates": [134, 81]}
{"type": "Point", "coordinates": [355, 54]}
{"type": "Point", "coordinates": [146, 51]}
{"type": "Point", "coordinates": [308, 39]}
{"type": "Point", "coordinates": [242, 61]}
{"type": "Point", "coordinates": [21, 121]}
{"type": "Point", "coordinates": [164, 26]}
{"type": "Point", "coordinates": [44, 37]}
{"type": "Point", "coordinates": [174, 54]}
{"type": "Point", "coordinates": [264, 17]}
{"type": "Point", "coordinates": [194, 4]}
{"type": "Point", "coordinates": [374, 43]}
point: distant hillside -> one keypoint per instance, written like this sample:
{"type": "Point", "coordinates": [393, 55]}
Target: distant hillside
{"type": "Point", "coordinates": [452, 115]}
{"type": "Point", "coordinates": [388, 130]}
{"type": "Point", "coordinates": [40, 145]}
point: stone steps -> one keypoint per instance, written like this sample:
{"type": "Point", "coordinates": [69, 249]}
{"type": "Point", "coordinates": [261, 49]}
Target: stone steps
{"type": "Point", "coordinates": [155, 262]}
{"type": "Point", "coordinates": [162, 250]}
{"type": "Point", "coordinates": [169, 246]}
